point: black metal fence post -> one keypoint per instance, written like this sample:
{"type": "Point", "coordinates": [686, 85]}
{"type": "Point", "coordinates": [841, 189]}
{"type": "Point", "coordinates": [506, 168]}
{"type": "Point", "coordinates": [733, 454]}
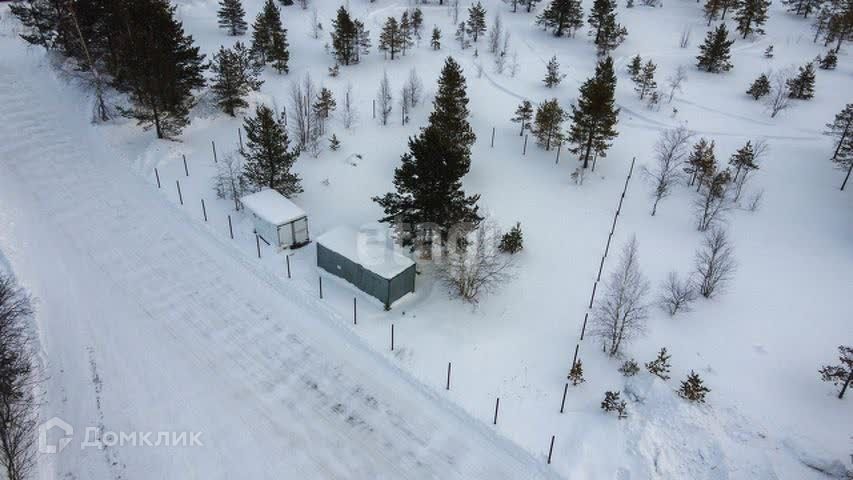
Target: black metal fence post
{"type": "Point", "coordinates": [180, 195]}
{"type": "Point", "coordinates": [204, 210]}
{"type": "Point", "coordinates": [157, 174]}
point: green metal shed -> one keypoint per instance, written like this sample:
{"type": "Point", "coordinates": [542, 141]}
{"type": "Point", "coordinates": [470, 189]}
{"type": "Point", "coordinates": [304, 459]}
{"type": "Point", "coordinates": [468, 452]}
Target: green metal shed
{"type": "Point", "coordinates": [373, 267]}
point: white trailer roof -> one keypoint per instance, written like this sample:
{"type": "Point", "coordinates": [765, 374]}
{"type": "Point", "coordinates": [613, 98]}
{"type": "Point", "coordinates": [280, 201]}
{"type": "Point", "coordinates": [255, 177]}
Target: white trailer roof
{"type": "Point", "coordinates": [368, 249]}
{"type": "Point", "coordinates": [272, 207]}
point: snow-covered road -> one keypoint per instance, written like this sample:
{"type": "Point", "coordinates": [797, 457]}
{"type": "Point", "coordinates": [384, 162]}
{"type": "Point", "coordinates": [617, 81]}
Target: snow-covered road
{"type": "Point", "coordinates": [149, 323]}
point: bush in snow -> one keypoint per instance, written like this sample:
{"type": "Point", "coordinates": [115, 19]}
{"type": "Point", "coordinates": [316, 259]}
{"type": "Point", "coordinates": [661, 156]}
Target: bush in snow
{"type": "Point", "coordinates": [677, 294]}
{"type": "Point", "coordinates": [576, 373]}
{"type": "Point", "coordinates": [841, 374]}
{"type": "Point", "coordinates": [229, 181]}
{"type": "Point", "coordinates": [660, 366]}
{"type": "Point", "coordinates": [474, 264]}
{"type": "Point", "coordinates": [829, 61]}
{"type": "Point", "coordinates": [629, 368]}
{"type": "Point", "coordinates": [715, 263]}
{"type": "Point", "coordinates": [693, 389]}
{"type": "Point", "coordinates": [512, 242]}
{"type": "Point", "coordinates": [613, 403]}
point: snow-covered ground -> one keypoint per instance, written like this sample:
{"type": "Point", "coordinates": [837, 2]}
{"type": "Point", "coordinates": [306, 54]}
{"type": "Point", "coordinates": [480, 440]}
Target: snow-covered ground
{"type": "Point", "coordinates": [201, 331]}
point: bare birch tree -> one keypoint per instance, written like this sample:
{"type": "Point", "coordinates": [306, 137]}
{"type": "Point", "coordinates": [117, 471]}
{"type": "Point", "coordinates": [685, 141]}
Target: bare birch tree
{"type": "Point", "coordinates": [675, 82]}
{"type": "Point", "coordinates": [301, 117]}
{"type": "Point", "coordinates": [384, 100]}
{"type": "Point", "coordinates": [715, 263]}
{"type": "Point", "coordinates": [677, 294]}
{"type": "Point", "coordinates": [621, 311]}
{"type": "Point", "coordinates": [670, 151]}
{"type": "Point", "coordinates": [779, 97]}
{"type": "Point", "coordinates": [349, 114]}
{"type": "Point", "coordinates": [414, 88]}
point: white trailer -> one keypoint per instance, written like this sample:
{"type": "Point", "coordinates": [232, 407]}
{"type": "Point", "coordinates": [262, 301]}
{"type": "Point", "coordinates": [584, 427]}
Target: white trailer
{"type": "Point", "coordinates": [277, 220]}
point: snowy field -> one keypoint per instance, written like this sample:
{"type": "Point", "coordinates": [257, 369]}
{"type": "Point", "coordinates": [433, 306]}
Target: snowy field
{"type": "Point", "coordinates": [208, 328]}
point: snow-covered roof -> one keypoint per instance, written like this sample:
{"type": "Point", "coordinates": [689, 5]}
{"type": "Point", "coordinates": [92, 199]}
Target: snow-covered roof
{"type": "Point", "coordinates": [272, 207]}
{"type": "Point", "coordinates": [371, 251]}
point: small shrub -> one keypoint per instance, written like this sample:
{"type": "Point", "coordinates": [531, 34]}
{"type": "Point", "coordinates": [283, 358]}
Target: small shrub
{"type": "Point", "coordinates": [693, 389]}
{"type": "Point", "coordinates": [513, 241]}
{"type": "Point", "coordinates": [629, 368]}
{"type": "Point", "coordinates": [660, 366]}
{"type": "Point", "coordinates": [613, 403]}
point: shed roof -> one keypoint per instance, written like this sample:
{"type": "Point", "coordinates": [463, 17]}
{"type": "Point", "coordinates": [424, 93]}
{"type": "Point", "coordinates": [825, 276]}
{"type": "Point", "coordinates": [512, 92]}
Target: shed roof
{"type": "Point", "coordinates": [365, 249]}
{"type": "Point", "coordinates": [272, 207]}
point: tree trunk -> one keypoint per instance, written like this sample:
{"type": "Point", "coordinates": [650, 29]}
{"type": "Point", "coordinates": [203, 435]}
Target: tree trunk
{"type": "Point", "coordinates": [846, 384]}
{"type": "Point", "coordinates": [841, 141]}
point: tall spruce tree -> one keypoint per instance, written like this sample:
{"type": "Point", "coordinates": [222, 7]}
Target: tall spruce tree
{"type": "Point", "coordinates": [405, 33]}
{"type": "Point", "coordinates": [435, 40]}
{"type": "Point", "coordinates": [715, 53]}
{"type": "Point", "coordinates": [344, 38]}
{"type": "Point", "coordinates": [548, 124]}
{"type": "Point", "coordinates": [802, 86]}
{"type": "Point", "coordinates": [606, 31]}
{"type": "Point", "coordinates": [268, 154]}
{"type": "Point", "coordinates": [646, 80]}
{"type": "Point", "coordinates": [842, 130]}
{"type": "Point", "coordinates": [595, 115]}
{"type": "Point", "coordinates": [562, 16]}
{"type": "Point", "coordinates": [751, 16]}
{"type": "Point", "coordinates": [711, 10]}
{"type": "Point", "coordinates": [389, 39]}
{"type": "Point", "coordinates": [160, 77]}
{"type": "Point", "coordinates": [553, 77]}
{"type": "Point", "coordinates": [635, 67]}
{"type": "Point", "coordinates": [232, 17]}
{"type": "Point", "coordinates": [269, 38]}
{"type": "Point", "coordinates": [760, 87]}
{"type": "Point", "coordinates": [429, 181]}
{"type": "Point", "coordinates": [476, 24]}
{"type": "Point", "coordinates": [235, 75]}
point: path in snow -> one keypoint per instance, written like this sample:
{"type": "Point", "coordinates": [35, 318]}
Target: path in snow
{"type": "Point", "coordinates": [190, 335]}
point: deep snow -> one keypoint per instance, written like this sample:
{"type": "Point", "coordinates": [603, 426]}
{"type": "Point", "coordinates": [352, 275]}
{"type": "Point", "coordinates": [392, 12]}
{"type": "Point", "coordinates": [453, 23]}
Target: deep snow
{"type": "Point", "coordinates": [758, 346]}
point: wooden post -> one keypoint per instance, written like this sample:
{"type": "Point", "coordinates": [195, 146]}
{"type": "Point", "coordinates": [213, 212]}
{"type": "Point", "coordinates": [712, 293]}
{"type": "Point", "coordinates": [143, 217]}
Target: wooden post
{"type": "Point", "coordinates": [592, 297]}
{"type": "Point", "coordinates": [204, 210]}
{"type": "Point", "coordinates": [551, 450]}
{"type": "Point", "coordinates": [448, 376]}
{"type": "Point", "coordinates": [607, 248]}
{"type": "Point", "coordinates": [844, 184]}
{"type": "Point", "coordinates": [392, 337]}
{"type": "Point", "coordinates": [374, 108]}
{"type": "Point", "coordinates": [631, 170]}
{"type": "Point", "coordinates": [497, 405]}
{"type": "Point", "coordinates": [186, 170]}
{"type": "Point", "coordinates": [180, 196]}
{"type": "Point", "coordinates": [559, 148]}
{"type": "Point", "coordinates": [258, 242]}
{"type": "Point", "coordinates": [563, 403]}
{"type": "Point", "coordinates": [600, 267]}
{"type": "Point", "coordinates": [321, 288]}
{"type": "Point", "coordinates": [287, 259]}
{"type": "Point", "coordinates": [524, 152]}
{"type": "Point", "coordinates": [284, 113]}
{"type": "Point", "coordinates": [230, 227]}
{"type": "Point", "coordinates": [240, 137]}
{"type": "Point", "coordinates": [354, 312]}
{"type": "Point", "coordinates": [583, 329]}
{"type": "Point", "coordinates": [157, 174]}
{"type": "Point", "coordinates": [213, 144]}
{"type": "Point", "coordinates": [493, 137]}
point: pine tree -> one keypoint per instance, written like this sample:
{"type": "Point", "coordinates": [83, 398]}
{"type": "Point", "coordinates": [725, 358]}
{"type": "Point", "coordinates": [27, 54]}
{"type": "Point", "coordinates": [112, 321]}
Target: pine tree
{"type": "Point", "coordinates": [269, 38]}
{"type": "Point", "coordinates": [842, 130]}
{"type": "Point", "coordinates": [701, 161]}
{"type": "Point", "coordinates": [711, 9]}
{"type": "Point", "coordinates": [760, 87]}
{"type": "Point", "coordinates": [751, 16]}
{"type": "Point", "coordinates": [232, 17]}
{"type": "Point", "coordinates": [523, 115]}
{"type": "Point", "coordinates": [595, 116]}
{"type": "Point", "coordinates": [435, 41]}
{"type": "Point", "coordinates": [512, 242]}
{"type": "Point", "coordinates": [547, 126]}
{"type": "Point", "coordinates": [768, 52]}
{"type": "Point", "coordinates": [235, 75]}
{"type": "Point", "coordinates": [576, 373]}
{"type": "Point", "coordinates": [429, 181]}
{"type": "Point", "coordinates": [629, 368]}
{"type": "Point", "coordinates": [530, 4]}
{"type": "Point", "coordinates": [159, 78]}
{"type": "Point", "coordinates": [743, 161]}
{"type": "Point", "coordinates": [613, 403]}
{"type": "Point", "coordinates": [476, 21]}
{"type": "Point", "coordinates": [562, 16]}
{"type": "Point", "coordinates": [716, 51]}
{"type": "Point", "coordinates": [405, 32]}
{"type": "Point", "coordinates": [646, 80]}
{"type": "Point", "coordinates": [417, 23]}
{"type": "Point", "coordinates": [608, 33]}
{"type": "Point", "coordinates": [635, 67]}
{"type": "Point", "coordinates": [362, 40]}
{"type": "Point", "coordinates": [268, 155]}
{"type": "Point", "coordinates": [323, 107]}
{"type": "Point", "coordinates": [344, 38]}
{"type": "Point", "coordinates": [802, 86]}
{"type": "Point", "coordinates": [334, 143]}
{"type": "Point", "coordinates": [802, 7]}
{"type": "Point", "coordinates": [389, 39]}
{"type": "Point", "coordinates": [462, 37]}
{"type": "Point", "coordinates": [829, 61]}
{"type": "Point", "coordinates": [553, 77]}
{"type": "Point", "coordinates": [841, 374]}
{"type": "Point", "coordinates": [693, 389]}
{"type": "Point", "coordinates": [660, 365]}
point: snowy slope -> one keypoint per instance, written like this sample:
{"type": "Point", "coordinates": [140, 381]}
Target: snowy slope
{"type": "Point", "coordinates": [151, 324]}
